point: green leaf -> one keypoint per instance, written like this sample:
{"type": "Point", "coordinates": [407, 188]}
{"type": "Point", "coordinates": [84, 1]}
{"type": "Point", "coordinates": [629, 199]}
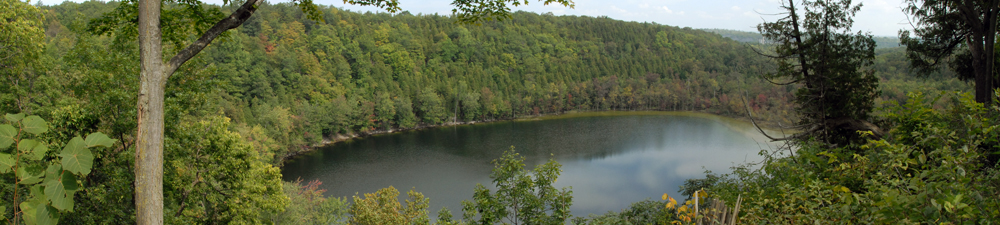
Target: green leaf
{"type": "Point", "coordinates": [29, 212]}
{"type": "Point", "coordinates": [14, 117]}
{"type": "Point", "coordinates": [76, 157]}
{"type": "Point", "coordinates": [46, 215]}
{"type": "Point", "coordinates": [99, 139]}
{"type": "Point", "coordinates": [56, 191]}
{"type": "Point", "coordinates": [30, 175]}
{"type": "Point", "coordinates": [31, 206]}
{"type": "Point", "coordinates": [53, 173]}
{"type": "Point", "coordinates": [6, 162]}
{"type": "Point", "coordinates": [33, 148]}
{"type": "Point", "coordinates": [69, 181]}
{"type": "Point", "coordinates": [7, 133]}
{"type": "Point", "coordinates": [34, 124]}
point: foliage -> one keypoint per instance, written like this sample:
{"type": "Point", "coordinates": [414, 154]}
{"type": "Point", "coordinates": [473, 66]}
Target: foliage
{"type": "Point", "coordinates": [23, 43]}
{"type": "Point", "coordinates": [686, 213]}
{"type": "Point", "coordinates": [431, 108]}
{"type": "Point", "coordinates": [961, 34]}
{"type": "Point", "coordinates": [308, 206]}
{"type": "Point", "coordinates": [522, 197]}
{"type": "Point", "coordinates": [927, 170]}
{"type": "Point", "coordinates": [49, 178]}
{"type": "Point", "coordinates": [643, 212]}
{"type": "Point", "coordinates": [382, 207]}
{"type": "Point", "coordinates": [819, 52]}
{"type": "Point", "coordinates": [213, 176]}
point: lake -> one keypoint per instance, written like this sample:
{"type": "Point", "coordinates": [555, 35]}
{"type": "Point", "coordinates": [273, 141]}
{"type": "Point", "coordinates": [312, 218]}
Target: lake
{"type": "Point", "coordinates": [610, 159]}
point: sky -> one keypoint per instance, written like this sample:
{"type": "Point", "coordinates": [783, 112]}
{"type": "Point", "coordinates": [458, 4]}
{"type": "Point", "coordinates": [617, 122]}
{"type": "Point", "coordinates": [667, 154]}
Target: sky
{"type": "Point", "coordinates": [880, 17]}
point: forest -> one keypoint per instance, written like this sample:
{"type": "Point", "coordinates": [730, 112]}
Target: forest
{"type": "Point", "coordinates": [282, 84]}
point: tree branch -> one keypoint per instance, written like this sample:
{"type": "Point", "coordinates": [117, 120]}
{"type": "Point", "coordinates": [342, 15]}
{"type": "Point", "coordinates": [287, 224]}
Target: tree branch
{"type": "Point", "coordinates": [234, 20]}
{"type": "Point", "coordinates": [773, 139]}
{"type": "Point", "coordinates": [197, 179]}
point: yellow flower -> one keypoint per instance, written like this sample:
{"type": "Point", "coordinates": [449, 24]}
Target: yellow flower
{"type": "Point", "coordinates": [665, 196]}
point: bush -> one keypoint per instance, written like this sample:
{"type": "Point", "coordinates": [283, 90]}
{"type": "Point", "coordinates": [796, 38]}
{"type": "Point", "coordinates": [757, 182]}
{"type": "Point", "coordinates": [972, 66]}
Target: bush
{"type": "Point", "coordinates": [382, 207]}
{"type": "Point", "coordinates": [929, 169]}
{"type": "Point", "coordinates": [521, 196]}
{"type": "Point", "coordinates": [308, 206]}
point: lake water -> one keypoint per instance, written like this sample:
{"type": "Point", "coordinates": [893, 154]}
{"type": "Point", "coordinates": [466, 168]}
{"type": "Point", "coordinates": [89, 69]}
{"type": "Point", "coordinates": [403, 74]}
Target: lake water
{"type": "Point", "coordinates": [610, 159]}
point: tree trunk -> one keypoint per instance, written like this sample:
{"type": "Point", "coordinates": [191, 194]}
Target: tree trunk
{"type": "Point", "coordinates": [149, 149]}
{"type": "Point", "coordinates": [984, 79]}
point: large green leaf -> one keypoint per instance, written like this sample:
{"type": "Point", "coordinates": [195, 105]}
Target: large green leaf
{"type": "Point", "coordinates": [33, 148]}
{"type": "Point", "coordinates": [53, 173]}
{"type": "Point", "coordinates": [28, 211]}
{"type": "Point", "coordinates": [13, 118]}
{"type": "Point", "coordinates": [46, 215]}
{"type": "Point", "coordinates": [76, 157]}
{"type": "Point", "coordinates": [31, 206]}
{"type": "Point", "coordinates": [30, 174]}
{"type": "Point", "coordinates": [56, 192]}
{"type": "Point", "coordinates": [99, 139]}
{"type": "Point", "coordinates": [34, 125]}
{"type": "Point", "coordinates": [7, 133]}
{"type": "Point", "coordinates": [6, 162]}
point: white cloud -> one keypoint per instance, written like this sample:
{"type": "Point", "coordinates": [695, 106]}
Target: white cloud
{"type": "Point", "coordinates": [668, 10]}
{"type": "Point", "coordinates": [644, 6]}
{"type": "Point", "coordinates": [735, 8]}
{"type": "Point", "coordinates": [619, 9]}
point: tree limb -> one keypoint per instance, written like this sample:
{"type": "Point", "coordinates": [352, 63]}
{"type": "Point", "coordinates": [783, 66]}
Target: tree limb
{"type": "Point", "coordinates": [773, 139]}
{"type": "Point", "coordinates": [197, 179]}
{"type": "Point", "coordinates": [234, 20]}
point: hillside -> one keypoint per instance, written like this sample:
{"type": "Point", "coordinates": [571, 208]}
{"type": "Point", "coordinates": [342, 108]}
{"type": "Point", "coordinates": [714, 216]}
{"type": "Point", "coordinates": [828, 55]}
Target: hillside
{"type": "Point", "coordinates": [756, 38]}
{"type": "Point", "coordinates": [281, 84]}
{"type": "Point", "coordinates": [302, 80]}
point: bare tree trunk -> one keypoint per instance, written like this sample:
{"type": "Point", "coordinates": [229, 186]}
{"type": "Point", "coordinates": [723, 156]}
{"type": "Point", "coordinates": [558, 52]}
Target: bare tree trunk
{"type": "Point", "coordinates": [149, 149]}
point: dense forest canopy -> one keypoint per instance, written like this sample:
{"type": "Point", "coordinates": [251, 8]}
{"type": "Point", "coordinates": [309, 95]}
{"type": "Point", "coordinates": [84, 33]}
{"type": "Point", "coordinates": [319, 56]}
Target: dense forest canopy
{"type": "Point", "coordinates": [282, 83]}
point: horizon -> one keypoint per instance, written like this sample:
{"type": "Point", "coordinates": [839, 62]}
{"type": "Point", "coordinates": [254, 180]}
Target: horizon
{"type": "Point", "coordinates": [723, 14]}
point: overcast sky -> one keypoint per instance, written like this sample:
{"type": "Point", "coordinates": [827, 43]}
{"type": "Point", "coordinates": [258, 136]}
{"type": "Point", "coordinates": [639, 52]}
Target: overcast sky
{"type": "Point", "coordinates": [880, 17]}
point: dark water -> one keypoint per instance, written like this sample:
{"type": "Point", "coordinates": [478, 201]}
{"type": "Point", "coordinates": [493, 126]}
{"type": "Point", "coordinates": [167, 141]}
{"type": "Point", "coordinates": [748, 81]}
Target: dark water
{"type": "Point", "coordinates": [609, 159]}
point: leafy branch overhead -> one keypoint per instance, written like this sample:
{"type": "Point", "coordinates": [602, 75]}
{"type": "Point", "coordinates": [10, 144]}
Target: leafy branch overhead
{"type": "Point", "coordinates": [49, 179]}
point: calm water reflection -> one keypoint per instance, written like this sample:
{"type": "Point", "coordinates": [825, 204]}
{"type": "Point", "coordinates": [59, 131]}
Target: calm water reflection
{"type": "Point", "coordinates": [610, 161]}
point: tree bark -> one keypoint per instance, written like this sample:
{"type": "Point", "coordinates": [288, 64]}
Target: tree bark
{"type": "Point", "coordinates": [149, 149]}
{"type": "Point", "coordinates": [984, 80]}
{"type": "Point", "coordinates": [982, 37]}
{"type": "Point", "coordinates": [153, 78]}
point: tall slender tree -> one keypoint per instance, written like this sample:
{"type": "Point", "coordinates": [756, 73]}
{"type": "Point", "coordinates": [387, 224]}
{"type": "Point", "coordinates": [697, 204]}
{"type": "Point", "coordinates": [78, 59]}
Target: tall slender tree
{"type": "Point", "coordinates": [815, 48]}
{"type": "Point", "coordinates": [155, 72]}
{"type": "Point", "coordinates": [960, 32]}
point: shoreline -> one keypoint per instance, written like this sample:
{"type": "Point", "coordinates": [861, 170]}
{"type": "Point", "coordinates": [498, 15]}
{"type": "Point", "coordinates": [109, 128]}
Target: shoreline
{"type": "Point", "coordinates": [330, 140]}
